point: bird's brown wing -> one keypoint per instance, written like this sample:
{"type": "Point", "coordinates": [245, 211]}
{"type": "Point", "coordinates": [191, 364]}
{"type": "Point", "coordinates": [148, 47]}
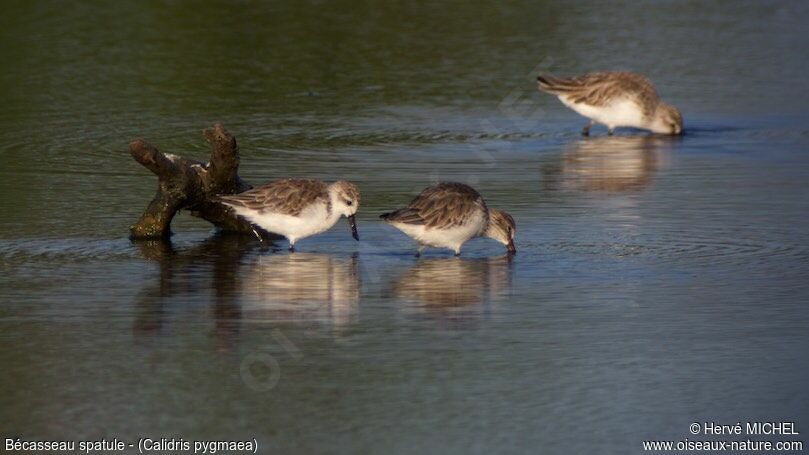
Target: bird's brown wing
{"type": "Point", "coordinates": [287, 196]}
{"type": "Point", "coordinates": [599, 89]}
{"type": "Point", "coordinates": [443, 205]}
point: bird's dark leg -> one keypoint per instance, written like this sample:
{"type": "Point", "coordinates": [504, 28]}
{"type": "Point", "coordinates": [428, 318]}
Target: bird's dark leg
{"type": "Point", "coordinates": [291, 248]}
{"type": "Point", "coordinates": [610, 131]}
{"type": "Point", "coordinates": [585, 131]}
{"type": "Point", "coordinates": [419, 250]}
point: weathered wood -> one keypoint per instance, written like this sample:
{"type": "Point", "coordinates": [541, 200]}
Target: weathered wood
{"type": "Point", "coordinates": [189, 184]}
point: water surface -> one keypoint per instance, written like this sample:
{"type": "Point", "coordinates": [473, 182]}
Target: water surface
{"type": "Point", "coordinates": [658, 282]}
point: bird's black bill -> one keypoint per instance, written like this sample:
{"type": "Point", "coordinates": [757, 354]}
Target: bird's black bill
{"type": "Point", "coordinates": [511, 248]}
{"type": "Point", "coordinates": [353, 224]}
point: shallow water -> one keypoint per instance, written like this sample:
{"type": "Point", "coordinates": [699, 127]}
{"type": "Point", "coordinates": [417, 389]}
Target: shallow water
{"type": "Point", "coordinates": [658, 281]}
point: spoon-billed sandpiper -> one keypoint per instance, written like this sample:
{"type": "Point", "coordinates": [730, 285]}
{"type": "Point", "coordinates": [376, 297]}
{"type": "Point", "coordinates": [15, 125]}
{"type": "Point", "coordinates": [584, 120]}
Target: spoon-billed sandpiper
{"type": "Point", "coordinates": [615, 99]}
{"type": "Point", "coordinates": [297, 208]}
{"type": "Point", "coordinates": [446, 215]}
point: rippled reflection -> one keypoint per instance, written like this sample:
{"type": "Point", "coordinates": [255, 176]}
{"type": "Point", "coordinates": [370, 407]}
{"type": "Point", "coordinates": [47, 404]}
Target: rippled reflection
{"type": "Point", "coordinates": [242, 286]}
{"type": "Point", "coordinates": [186, 275]}
{"type": "Point", "coordinates": [613, 163]}
{"type": "Point", "coordinates": [451, 284]}
{"type": "Point", "coordinates": [302, 287]}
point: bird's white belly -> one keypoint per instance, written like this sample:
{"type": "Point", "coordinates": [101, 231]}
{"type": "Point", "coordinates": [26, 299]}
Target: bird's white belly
{"type": "Point", "coordinates": [624, 112]}
{"type": "Point", "coordinates": [312, 220]}
{"type": "Point", "coordinates": [451, 238]}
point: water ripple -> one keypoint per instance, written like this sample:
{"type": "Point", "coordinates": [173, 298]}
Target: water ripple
{"type": "Point", "coordinates": [683, 248]}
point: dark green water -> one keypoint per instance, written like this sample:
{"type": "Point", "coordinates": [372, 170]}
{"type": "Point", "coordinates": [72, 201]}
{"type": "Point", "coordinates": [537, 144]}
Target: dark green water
{"type": "Point", "coordinates": [659, 281]}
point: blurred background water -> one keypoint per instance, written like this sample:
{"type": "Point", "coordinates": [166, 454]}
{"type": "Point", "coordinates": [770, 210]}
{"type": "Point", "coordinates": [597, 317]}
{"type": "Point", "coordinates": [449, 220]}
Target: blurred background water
{"type": "Point", "coordinates": [658, 282]}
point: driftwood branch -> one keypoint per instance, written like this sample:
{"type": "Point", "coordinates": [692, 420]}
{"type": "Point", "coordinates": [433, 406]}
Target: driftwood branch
{"type": "Point", "coordinates": [189, 184]}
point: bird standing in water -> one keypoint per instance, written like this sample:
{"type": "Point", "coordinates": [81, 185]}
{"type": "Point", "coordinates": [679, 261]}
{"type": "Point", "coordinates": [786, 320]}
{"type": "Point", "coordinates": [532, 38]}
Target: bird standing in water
{"type": "Point", "coordinates": [448, 214]}
{"type": "Point", "coordinates": [614, 99]}
{"type": "Point", "coordinates": [297, 208]}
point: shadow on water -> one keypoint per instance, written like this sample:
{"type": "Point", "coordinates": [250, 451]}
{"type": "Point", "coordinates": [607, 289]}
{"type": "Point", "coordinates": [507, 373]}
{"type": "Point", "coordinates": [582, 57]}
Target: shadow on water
{"type": "Point", "coordinates": [608, 163]}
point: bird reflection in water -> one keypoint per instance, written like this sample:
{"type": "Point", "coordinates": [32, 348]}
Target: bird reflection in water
{"type": "Point", "coordinates": [455, 287]}
{"type": "Point", "coordinates": [302, 287]}
{"type": "Point", "coordinates": [242, 286]}
{"type": "Point", "coordinates": [613, 163]}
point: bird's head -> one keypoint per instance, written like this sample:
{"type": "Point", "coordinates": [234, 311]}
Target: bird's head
{"type": "Point", "coordinates": [345, 199]}
{"type": "Point", "coordinates": [667, 120]}
{"type": "Point", "coordinates": [502, 228]}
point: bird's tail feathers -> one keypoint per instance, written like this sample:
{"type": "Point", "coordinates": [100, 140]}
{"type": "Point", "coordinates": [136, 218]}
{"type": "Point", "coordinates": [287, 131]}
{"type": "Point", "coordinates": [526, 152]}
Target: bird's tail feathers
{"type": "Point", "coordinates": [406, 215]}
{"type": "Point", "coordinates": [552, 84]}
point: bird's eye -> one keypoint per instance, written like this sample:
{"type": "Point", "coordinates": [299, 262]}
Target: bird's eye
{"type": "Point", "coordinates": [349, 202]}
